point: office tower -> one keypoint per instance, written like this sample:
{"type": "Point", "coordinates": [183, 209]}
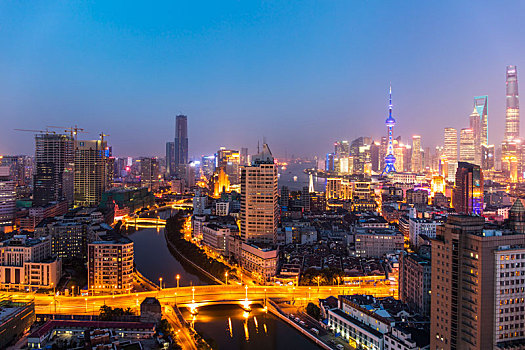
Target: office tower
{"type": "Point", "coordinates": [207, 165]}
{"type": "Point", "coordinates": [7, 197]}
{"type": "Point", "coordinates": [517, 216]}
{"type": "Point", "coordinates": [417, 161]}
{"type": "Point", "coordinates": [375, 156]}
{"type": "Point", "coordinates": [468, 192]}
{"type": "Point", "coordinates": [510, 158]}
{"type": "Point", "coordinates": [467, 146]}
{"type": "Point", "coordinates": [90, 172]}
{"type": "Point", "coordinates": [117, 275]}
{"type": "Point", "coordinates": [414, 282]}
{"type": "Point", "coordinates": [451, 152]}
{"type": "Point", "coordinates": [230, 161]}
{"type": "Point", "coordinates": [476, 297]}
{"type": "Point", "coordinates": [259, 207]}
{"type": "Point", "coordinates": [284, 199]}
{"type": "Point", "coordinates": [305, 198]}
{"type": "Point", "coordinates": [512, 120]}
{"type": "Point", "coordinates": [481, 106]}
{"type": "Point", "coordinates": [181, 140]}
{"type": "Point", "coordinates": [170, 158]}
{"type": "Point", "coordinates": [341, 149]}
{"type": "Point", "coordinates": [244, 156]}
{"type": "Point", "coordinates": [330, 162]}
{"type": "Point", "coordinates": [475, 126]}
{"type": "Point", "coordinates": [149, 173]}
{"type": "Point", "coordinates": [487, 157]}
{"type": "Point", "coordinates": [53, 177]}
{"type": "Point", "coordinates": [390, 160]}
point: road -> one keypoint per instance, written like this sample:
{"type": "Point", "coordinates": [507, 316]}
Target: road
{"type": "Point", "coordinates": [203, 295]}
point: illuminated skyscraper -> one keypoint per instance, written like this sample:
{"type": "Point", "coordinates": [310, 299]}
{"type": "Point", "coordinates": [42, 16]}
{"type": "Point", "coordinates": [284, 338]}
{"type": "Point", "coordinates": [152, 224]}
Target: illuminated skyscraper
{"type": "Point", "coordinates": [450, 152]}
{"type": "Point", "coordinates": [181, 141]}
{"type": "Point", "coordinates": [54, 158]}
{"type": "Point", "coordinates": [259, 194]}
{"type": "Point", "coordinates": [90, 172]}
{"type": "Point", "coordinates": [512, 121]}
{"type": "Point", "coordinates": [468, 192]}
{"type": "Point", "coordinates": [416, 161]}
{"type": "Point", "coordinates": [390, 160]}
{"type": "Point", "coordinates": [475, 126]}
{"type": "Point", "coordinates": [467, 146]}
{"type": "Point", "coordinates": [481, 106]}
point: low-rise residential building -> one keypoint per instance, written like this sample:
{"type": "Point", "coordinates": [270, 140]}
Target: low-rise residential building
{"type": "Point", "coordinates": [110, 264]}
{"type": "Point", "coordinates": [215, 237]}
{"type": "Point", "coordinates": [377, 242]}
{"type": "Point", "coordinates": [259, 261]}
{"type": "Point", "coordinates": [406, 338]}
{"type": "Point", "coordinates": [414, 282]}
{"type": "Point", "coordinates": [421, 226]}
{"type": "Point", "coordinates": [15, 319]}
{"type": "Point", "coordinates": [27, 262]}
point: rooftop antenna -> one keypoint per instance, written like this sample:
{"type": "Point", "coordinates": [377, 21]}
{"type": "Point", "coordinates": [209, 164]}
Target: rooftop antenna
{"type": "Point", "coordinates": [258, 150]}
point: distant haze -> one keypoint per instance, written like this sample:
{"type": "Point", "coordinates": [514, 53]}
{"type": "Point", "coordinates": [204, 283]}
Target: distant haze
{"type": "Point", "coordinates": [300, 73]}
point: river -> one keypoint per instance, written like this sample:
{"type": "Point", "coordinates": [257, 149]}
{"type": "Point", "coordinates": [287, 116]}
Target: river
{"type": "Point", "coordinates": [259, 331]}
{"type": "Point", "coordinates": [295, 178]}
{"type": "Point", "coordinates": [231, 328]}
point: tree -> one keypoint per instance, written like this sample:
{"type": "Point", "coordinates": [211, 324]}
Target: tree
{"type": "Point", "coordinates": [313, 310]}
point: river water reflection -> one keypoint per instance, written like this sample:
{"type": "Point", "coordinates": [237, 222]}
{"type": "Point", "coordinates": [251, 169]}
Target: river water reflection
{"type": "Point", "coordinates": [154, 260]}
{"type": "Point", "coordinates": [231, 328]}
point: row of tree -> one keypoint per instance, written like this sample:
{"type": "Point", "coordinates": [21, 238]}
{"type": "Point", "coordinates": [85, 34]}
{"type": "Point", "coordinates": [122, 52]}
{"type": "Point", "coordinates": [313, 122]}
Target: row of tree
{"type": "Point", "coordinates": [174, 233]}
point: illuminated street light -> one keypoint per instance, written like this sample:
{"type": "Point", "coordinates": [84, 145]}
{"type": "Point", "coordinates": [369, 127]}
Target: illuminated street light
{"type": "Point", "coordinates": [160, 282]}
{"type": "Point", "coordinates": [226, 275]}
{"type": "Point", "coordinates": [178, 278]}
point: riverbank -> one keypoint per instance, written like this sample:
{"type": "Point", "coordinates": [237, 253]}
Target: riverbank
{"type": "Point", "coordinates": [190, 253]}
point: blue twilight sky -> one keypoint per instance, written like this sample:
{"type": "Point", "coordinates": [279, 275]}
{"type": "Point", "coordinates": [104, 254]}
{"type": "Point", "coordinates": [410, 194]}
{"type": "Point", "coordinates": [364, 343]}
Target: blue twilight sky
{"type": "Point", "coordinates": [301, 73]}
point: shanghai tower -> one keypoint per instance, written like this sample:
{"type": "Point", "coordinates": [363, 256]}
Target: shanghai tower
{"type": "Point", "coordinates": [181, 140]}
{"type": "Point", "coordinates": [512, 120]}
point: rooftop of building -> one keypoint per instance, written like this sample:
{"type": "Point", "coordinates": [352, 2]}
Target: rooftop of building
{"type": "Point", "coordinates": [420, 336]}
{"type": "Point", "coordinates": [358, 323]}
{"type": "Point", "coordinates": [49, 326]}
{"type": "Point", "coordinates": [113, 238]}
{"type": "Point", "coordinates": [376, 231]}
{"type": "Point", "coordinates": [21, 241]}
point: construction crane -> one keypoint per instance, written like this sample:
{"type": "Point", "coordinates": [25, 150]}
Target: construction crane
{"type": "Point", "coordinates": [102, 135]}
{"type": "Point", "coordinates": [39, 131]}
{"type": "Point", "coordinates": [73, 130]}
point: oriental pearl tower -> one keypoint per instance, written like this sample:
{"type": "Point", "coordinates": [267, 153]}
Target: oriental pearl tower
{"type": "Point", "coordinates": [390, 122]}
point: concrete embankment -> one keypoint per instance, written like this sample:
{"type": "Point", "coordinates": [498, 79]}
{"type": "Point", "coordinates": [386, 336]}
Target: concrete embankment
{"type": "Point", "coordinates": [275, 310]}
{"type": "Point", "coordinates": [174, 250]}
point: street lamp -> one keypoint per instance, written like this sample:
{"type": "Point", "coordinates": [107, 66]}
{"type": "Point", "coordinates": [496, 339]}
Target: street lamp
{"type": "Point", "coordinates": [160, 282]}
{"type": "Point", "coordinates": [226, 275]}
{"type": "Point", "coordinates": [178, 278]}
{"type": "Point", "coordinates": [318, 278]}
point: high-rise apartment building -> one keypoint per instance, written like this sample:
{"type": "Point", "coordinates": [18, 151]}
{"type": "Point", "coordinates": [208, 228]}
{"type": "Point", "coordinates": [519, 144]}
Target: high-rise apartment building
{"type": "Point", "coordinates": [181, 140]}
{"type": "Point", "coordinates": [467, 151]}
{"type": "Point", "coordinates": [417, 159]}
{"type": "Point", "coordinates": [259, 194]}
{"type": "Point", "coordinates": [477, 286]}
{"type": "Point", "coordinates": [7, 197]}
{"type": "Point", "coordinates": [54, 162]}
{"type": "Point", "coordinates": [512, 120]}
{"type": "Point", "coordinates": [468, 192]}
{"type": "Point", "coordinates": [149, 173]}
{"type": "Point", "coordinates": [170, 158]}
{"type": "Point", "coordinates": [90, 172]}
{"type": "Point", "coordinates": [450, 151]}
{"type": "Point", "coordinates": [110, 264]}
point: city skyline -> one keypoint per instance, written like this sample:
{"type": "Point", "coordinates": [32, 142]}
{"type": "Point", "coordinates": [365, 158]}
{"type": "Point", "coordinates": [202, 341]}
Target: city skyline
{"type": "Point", "coordinates": [126, 73]}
